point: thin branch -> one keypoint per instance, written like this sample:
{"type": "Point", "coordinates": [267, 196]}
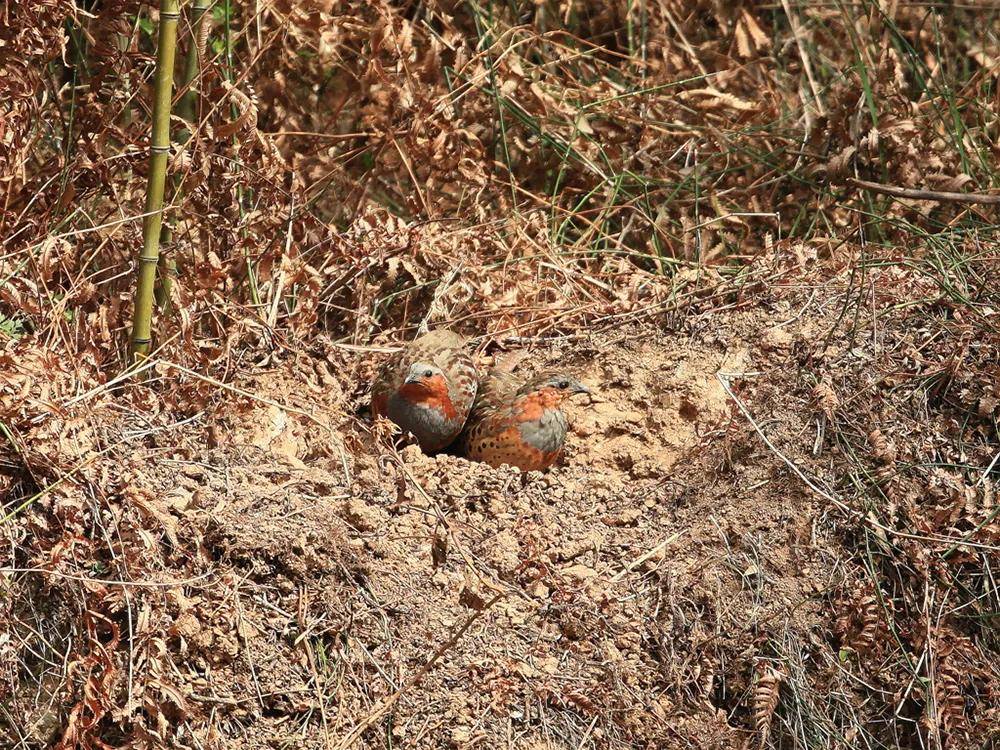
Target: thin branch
{"type": "Point", "coordinates": [386, 704]}
{"type": "Point", "coordinates": [925, 195]}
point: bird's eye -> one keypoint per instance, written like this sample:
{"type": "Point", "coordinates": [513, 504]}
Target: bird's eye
{"type": "Point", "coordinates": [428, 373]}
{"type": "Point", "coordinates": [562, 384]}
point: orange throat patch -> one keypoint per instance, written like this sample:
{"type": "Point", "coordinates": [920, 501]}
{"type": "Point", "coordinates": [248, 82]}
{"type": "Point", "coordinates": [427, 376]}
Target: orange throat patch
{"type": "Point", "coordinates": [432, 393]}
{"type": "Point", "coordinates": [532, 406]}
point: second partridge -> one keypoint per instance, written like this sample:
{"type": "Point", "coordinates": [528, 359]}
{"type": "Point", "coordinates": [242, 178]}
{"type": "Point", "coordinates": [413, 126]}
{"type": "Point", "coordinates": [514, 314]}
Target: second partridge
{"type": "Point", "coordinates": [516, 422]}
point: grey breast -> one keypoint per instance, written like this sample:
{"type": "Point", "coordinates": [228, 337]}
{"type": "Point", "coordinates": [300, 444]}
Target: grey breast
{"type": "Point", "coordinates": [425, 423]}
{"type": "Point", "coordinates": [546, 433]}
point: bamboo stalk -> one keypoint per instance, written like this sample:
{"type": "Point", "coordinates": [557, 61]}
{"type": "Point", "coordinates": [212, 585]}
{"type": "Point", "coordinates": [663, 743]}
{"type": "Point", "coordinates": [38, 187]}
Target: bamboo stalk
{"type": "Point", "coordinates": [187, 109]}
{"type": "Point", "coordinates": [141, 337]}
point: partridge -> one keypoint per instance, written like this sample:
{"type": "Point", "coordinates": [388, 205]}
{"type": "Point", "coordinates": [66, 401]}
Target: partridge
{"type": "Point", "coordinates": [518, 423]}
{"type": "Point", "coordinates": [428, 389]}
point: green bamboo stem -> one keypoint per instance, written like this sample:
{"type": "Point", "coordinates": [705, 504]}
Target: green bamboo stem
{"type": "Point", "coordinates": [142, 319]}
{"type": "Point", "coordinates": [187, 109]}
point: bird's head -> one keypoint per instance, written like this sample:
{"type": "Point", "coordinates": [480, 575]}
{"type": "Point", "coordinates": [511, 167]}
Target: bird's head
{"type": "Point", "coordinates": [424, 376]}
{"type": "Point", "coordinates": [553, 389]}
{"type": "Point", "coordinates": [426, 384]}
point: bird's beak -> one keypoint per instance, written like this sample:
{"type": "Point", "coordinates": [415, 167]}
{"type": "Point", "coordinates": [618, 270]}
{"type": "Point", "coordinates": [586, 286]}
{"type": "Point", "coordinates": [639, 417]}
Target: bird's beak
{"type": "Point", "coordinates": [581, 388]}
{"type": "Point", "coordinates": [411, 379]}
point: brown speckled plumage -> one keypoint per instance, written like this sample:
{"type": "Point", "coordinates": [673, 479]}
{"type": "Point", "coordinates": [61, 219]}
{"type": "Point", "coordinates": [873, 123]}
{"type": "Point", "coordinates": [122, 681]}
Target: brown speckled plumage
{"type": "Point", "coordinates": [518, 422]}
{"type": "Point", "coordinates": [428, 389]}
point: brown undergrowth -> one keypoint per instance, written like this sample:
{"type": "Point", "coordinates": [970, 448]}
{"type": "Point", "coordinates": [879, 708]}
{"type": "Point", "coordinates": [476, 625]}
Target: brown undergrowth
{"type": "Point", "coordinates": [673, 583]}
{"type": "Point", "coordinates": [776, 524]}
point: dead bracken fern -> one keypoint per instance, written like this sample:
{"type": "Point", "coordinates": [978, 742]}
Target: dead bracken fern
{"type": "Point", "coordinates": [246, 109]}
{"type": "Point", "coordinates": [859, 621]}
{"type": "Point", "coordinates": [956, 679]}
{"type": "Point", "coordinates": [868, 620]}
{"type": "Point", "coordinates": [31, 37]}
{"type": "Point", "coordinates": [766, 695]}
{"type": "Point", "coordinates": [825, 399]}
{"type": "Point", "coordinates": [586, 182]}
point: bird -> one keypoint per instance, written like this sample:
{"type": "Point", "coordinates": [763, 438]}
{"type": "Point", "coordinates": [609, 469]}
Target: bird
{"type": "Point", "coordinates": [518, 422]}
{"type": "Point", "coordinates": [428, 389]}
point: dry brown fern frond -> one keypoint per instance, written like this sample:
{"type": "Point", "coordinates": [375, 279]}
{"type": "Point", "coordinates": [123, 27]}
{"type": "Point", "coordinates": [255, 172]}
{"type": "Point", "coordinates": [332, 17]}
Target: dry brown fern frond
{"type": "Point", "coordinates": [765, 702]}
{"type": "Point", "coordinates": [31, 35]}
{"type": "Point", "coordinates": [111, 37]}
{"type": "Point", "coordinates": [825, 399]}
{"type": "Point", "coordinates": [246, 108]}
{"type": "Point", "coordinates": [859, 621]}
{"type": "Point", "coordinates": [883, 449]}
{"type": "Point", "coordinates": [868, 614]}
{"type": "Point", "coordinates": [958, 667]}
{"type": "Point", "coordinates": [950, 700]}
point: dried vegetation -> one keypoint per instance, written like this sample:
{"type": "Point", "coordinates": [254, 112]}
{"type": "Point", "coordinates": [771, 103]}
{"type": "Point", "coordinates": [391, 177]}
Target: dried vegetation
{"type": "Point", "coordinates": [776, 528]}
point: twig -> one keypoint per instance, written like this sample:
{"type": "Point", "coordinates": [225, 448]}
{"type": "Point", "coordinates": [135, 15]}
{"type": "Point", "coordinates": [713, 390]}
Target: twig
{"type": "Point", "coordinates": [246, 394]}
{"type": "Point", "coordinates": [793, 21]}
{"type": "Point", "coordinates": [241, 632]}
{"type": "Point", "coordinates": [826, 495]}
{"type": "Point", "coordinates": [989, 468]}
{"type": "Point", "coordinates": [386, 704]}
{"type": "Point", "coordinates": [523, 340]}
{"type": "Point", "coordinates": [227, 701]}
{"type": "Point", "coordinates": [735, 214]}
{"type": "Point", "coordinates": [111, 581]}
{"type": "Point", "coordinates": [646, 555]}
{"type": "Point", "coordinates": [279, 284]}
{"type": "Point", "coordinates": [925, 195]}
{"type": "Point", "coordinates": [685, 44]}
{"type": "Point", "coordinates": [365, 349]}
{"type": "Point", "coordinates": [586, 735]}
{"type": "Point", "coordinates": [130, 373]}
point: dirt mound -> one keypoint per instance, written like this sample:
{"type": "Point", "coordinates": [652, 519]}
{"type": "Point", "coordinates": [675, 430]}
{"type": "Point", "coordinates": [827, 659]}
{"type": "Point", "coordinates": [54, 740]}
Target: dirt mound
{"type": "Point", "coordinates": [612, 588]}
{"type": "Point", "coordinates": [675, 581]}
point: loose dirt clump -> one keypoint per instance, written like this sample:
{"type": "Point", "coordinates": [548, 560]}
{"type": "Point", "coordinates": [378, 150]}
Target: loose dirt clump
{"type": "Point", "coordinates": [589, 561]}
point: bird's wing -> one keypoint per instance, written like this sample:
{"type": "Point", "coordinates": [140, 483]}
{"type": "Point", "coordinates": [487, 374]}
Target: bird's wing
{"type": "Point", "coordinates": [435, 341]}
{"type": "Point", "coordinates": [500, 385]}
{"type": "Point", "coordinates": [496, 391]}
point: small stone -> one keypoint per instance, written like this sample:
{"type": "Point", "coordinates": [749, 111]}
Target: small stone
{"type": "Point", "coordinates": [471, 596]}
{"type": "Point", "coordinates": [180, 499]}
{"type": "Point", "coordinates": [775, 339]}
{"type": "Point", "coordinates": [579, 572]}
{"type": "Point", "coordinates": [539, 590]}
{"type": "Point", "coordinates": [186, 626]}
{"type": "Point", "coordinates": [193, 471]}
